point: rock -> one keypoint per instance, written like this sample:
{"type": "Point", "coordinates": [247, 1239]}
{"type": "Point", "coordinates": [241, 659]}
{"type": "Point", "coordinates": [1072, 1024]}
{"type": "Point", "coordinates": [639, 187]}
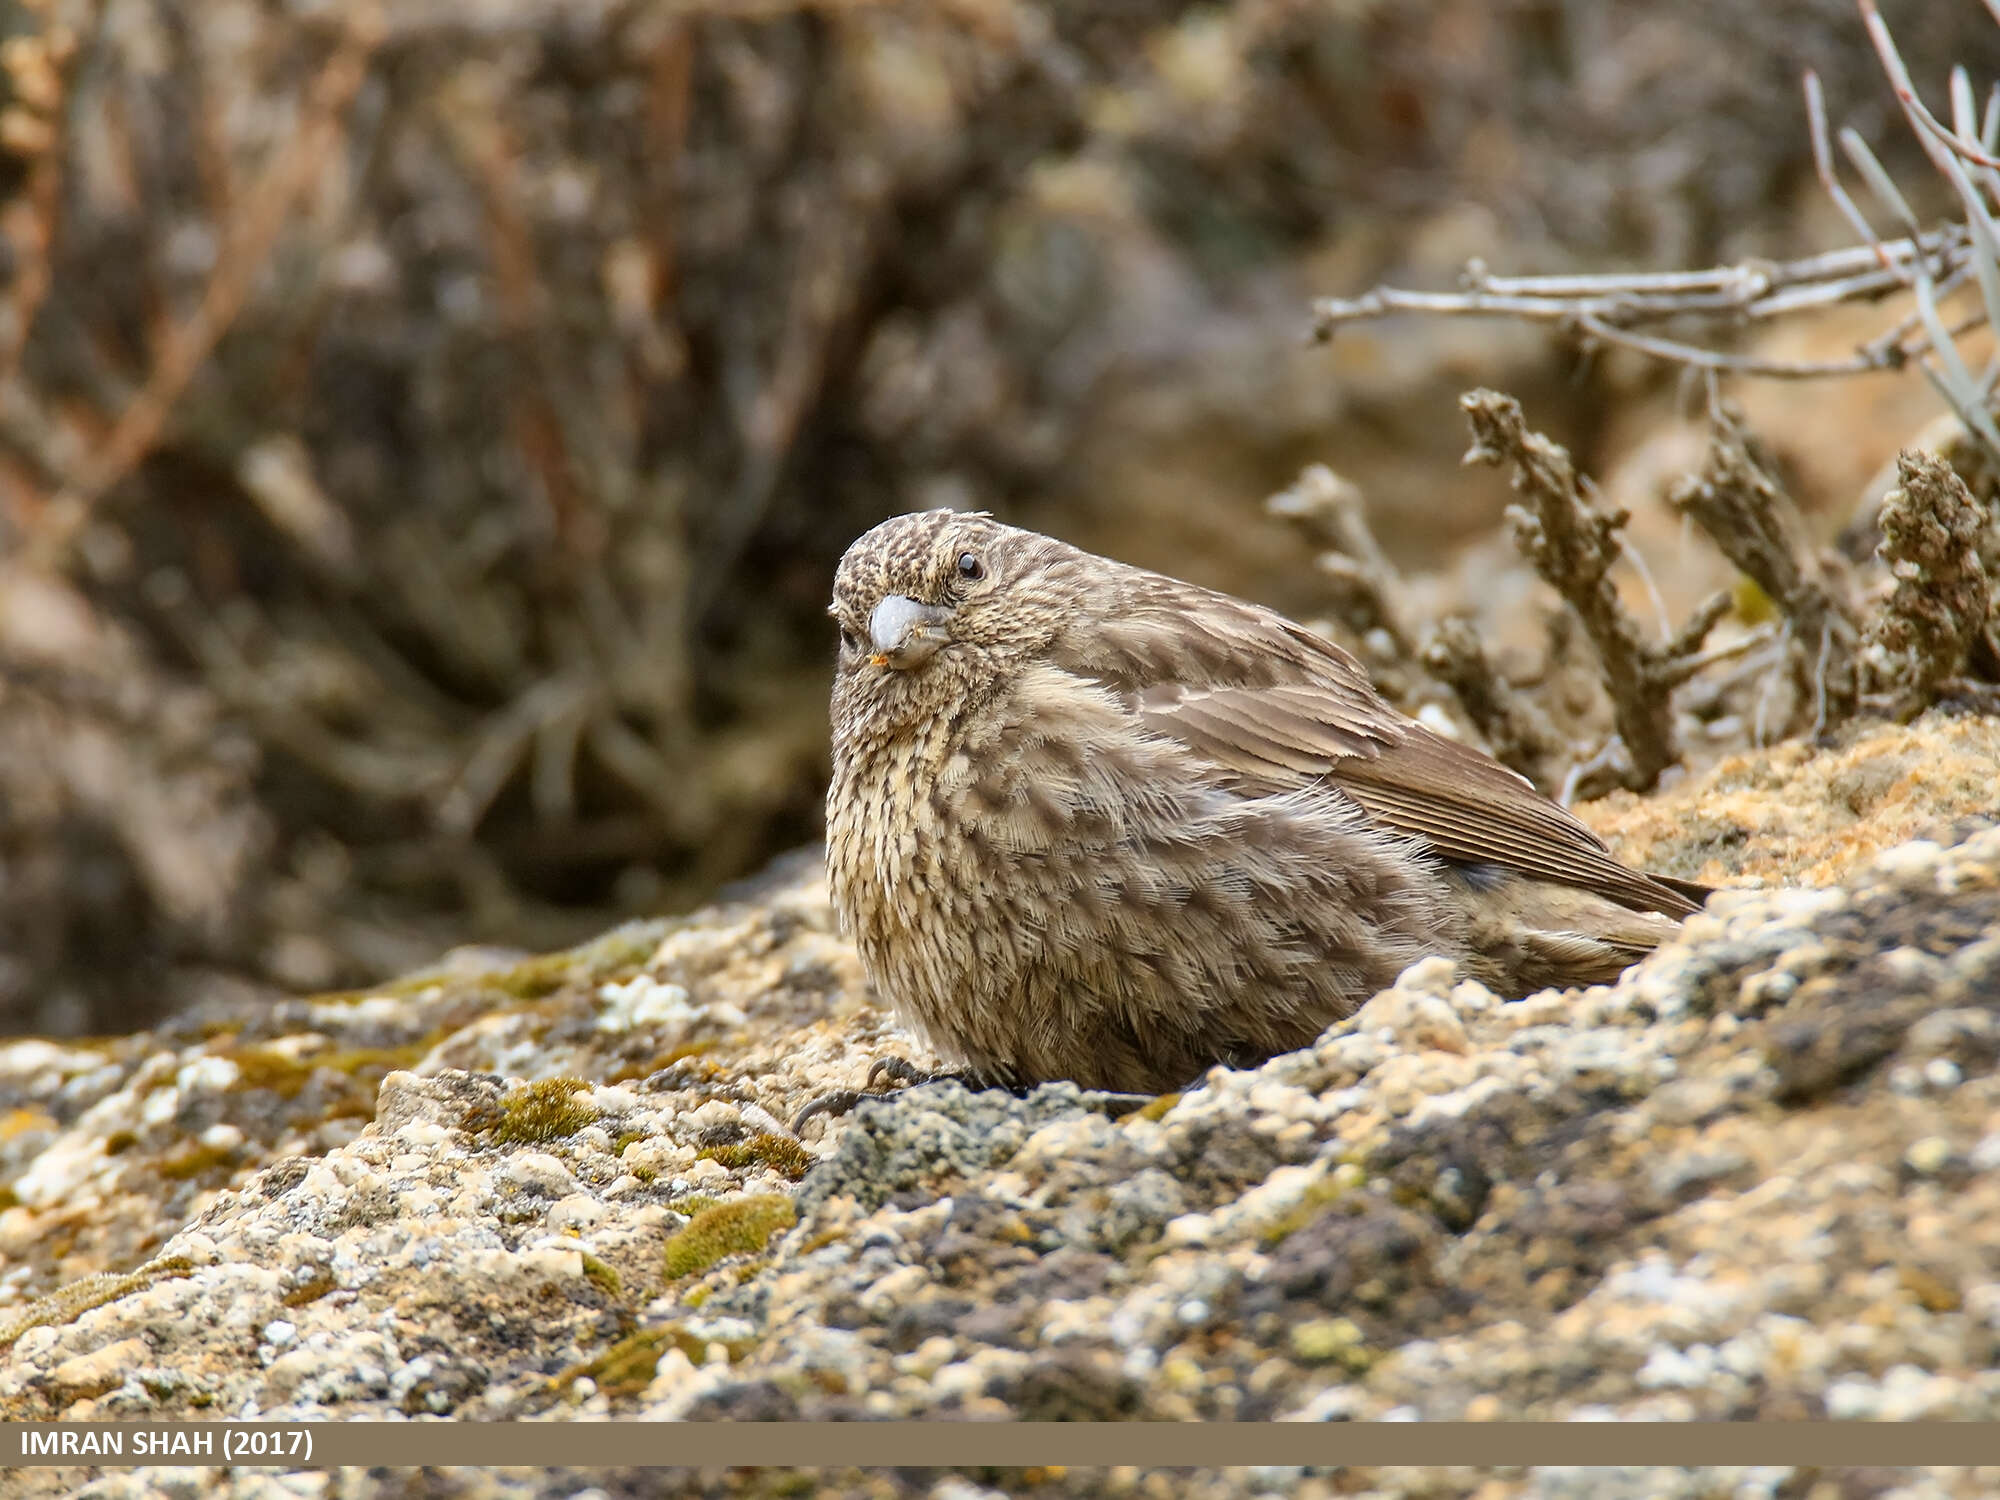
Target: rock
{"type": "Point", "coordinates": [1754, 1178]}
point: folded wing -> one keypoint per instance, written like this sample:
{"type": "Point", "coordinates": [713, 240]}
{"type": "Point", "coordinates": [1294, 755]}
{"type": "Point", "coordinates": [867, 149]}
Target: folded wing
{"type": "Point", "coordinates": [1278, 707]}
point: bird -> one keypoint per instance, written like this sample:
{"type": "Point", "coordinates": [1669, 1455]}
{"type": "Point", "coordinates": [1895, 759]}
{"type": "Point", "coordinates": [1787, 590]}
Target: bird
{"type": "Point", "coordinates": [1091, 822]}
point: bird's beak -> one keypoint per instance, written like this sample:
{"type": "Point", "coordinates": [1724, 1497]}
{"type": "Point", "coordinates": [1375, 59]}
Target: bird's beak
{"type": "Point", "coordinates": [904, 632]}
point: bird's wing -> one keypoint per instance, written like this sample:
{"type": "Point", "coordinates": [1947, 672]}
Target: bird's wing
{"type": "Point", "coordinates": [1279, 707]}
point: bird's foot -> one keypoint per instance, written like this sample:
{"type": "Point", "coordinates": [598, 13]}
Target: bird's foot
{"type": "Point", "coordinates": [901, 1070]}
{"type": "Point", "coordinates": [890, 1069]}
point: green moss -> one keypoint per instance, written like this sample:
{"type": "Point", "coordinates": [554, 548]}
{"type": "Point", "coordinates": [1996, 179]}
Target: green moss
{"type": "Point", "coordinates": [626, 947]}
{"type": "Point", "coordinates": [67, 1303]}
{"type": "Point", "coordinates": [600, 1275]}
{"type": "Point", "coordinates": [9, 1198]}
{"type": "Point", "coordinates": [286, 1076]}
{"type": "Point", "coordinates": [695, 1203]}
{"type": "Point", "coordinates": [628, 1366]}
{"type": "Point", "coordinates": [660, 1062]}
{"type": "Point", "coordinates": [544, 1111]}
{"type": "Point", "coordinates": [536, 978]}
{"type": "Point", "coordinates": [361, 1062]}
{"type": "Point", "coordinates": [312, 1288]}
{"type": "Point", "coordinates": [638, 1169]}
{"type": "Point", "coordinates": [119, 1142]}
{"type": "Point", "coordinates": [1159, 1108]}
{"type": "Point", "coordinates": [785, 1156]}
{"type": "Point", "coordinates": [268, 1068]}
{"type": "Point", "coordinates": [741, 1226]}
{"type": "Point", "coordinates": [1331, 1192]}
{"type": "Point", "coordinates": [619, 953]}
{"type": "Point", "coordinates": [195, 1160]}
{"type": "Point", "coordinates": [1336, 1341]}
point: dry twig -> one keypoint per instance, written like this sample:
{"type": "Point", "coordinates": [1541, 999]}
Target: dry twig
{"type": "Point", "coordinates": [1941, 618]}
{"type": "Point", "coordinates": [1750, 517]}
{"type": "Point", "coordinates": [1517, 732]}
{"type": "Point", "coordinates": [1574, 546]}
{"type": "Point", "coordinates": [1330, 510]}
{"type": "Point", "coordinates": [244, 252]}
{"type": "Point", "coordinates": [1930, 265]}
{"type": "Point", "coordinates": [1610, 308]}
{"type": "Point", "coordinates": [29, 128]}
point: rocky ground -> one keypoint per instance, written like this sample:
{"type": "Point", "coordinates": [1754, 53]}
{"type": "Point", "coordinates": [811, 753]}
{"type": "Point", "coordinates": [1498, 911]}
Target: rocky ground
{"type": "Point", "coordinates": [1754, 1179]}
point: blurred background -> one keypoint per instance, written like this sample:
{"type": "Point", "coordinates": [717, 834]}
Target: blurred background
{"type": "Point", "coordinates": [427, 430]}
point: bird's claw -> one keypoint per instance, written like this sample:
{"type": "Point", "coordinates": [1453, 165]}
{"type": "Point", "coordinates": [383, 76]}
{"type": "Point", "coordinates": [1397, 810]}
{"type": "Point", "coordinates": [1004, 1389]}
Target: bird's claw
{"type": "Point", "coordinates": [892, 1069]}
{"type": "Point", "coordinates": [901, 1070]}
{"type": "Point", "coordinates": [835, 1104]}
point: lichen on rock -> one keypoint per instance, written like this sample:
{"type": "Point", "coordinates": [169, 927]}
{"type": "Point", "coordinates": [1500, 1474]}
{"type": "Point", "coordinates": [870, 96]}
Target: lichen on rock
{"type": "Point", "coordinates": [1752, 1178]}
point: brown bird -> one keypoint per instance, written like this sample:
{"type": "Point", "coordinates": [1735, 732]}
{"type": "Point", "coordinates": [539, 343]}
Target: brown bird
{"type": "Point", "coordinates": [1094, 823]}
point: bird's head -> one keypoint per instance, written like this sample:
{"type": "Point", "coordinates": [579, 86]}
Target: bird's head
{"type": "Point", "coordinates": [937, 605]}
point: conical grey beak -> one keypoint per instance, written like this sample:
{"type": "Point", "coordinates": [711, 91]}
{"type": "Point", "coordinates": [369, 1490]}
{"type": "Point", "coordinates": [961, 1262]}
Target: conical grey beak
{"type": "Point", "coordinates": [904, 632]}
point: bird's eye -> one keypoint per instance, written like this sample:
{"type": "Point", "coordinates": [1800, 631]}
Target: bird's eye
{"type": "Point", "coordinates": [969, 567]}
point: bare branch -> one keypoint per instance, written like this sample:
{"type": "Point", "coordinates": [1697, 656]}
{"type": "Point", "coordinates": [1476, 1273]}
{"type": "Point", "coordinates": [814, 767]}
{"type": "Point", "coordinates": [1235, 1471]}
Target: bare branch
{"type": "Point", "coordinates": [1623, 310]}
{"type": "Point", "coordinates": [1331, 511]}
{"type": "Point", "coordinates": [1745, 512]}
{"type": "Point", "coordinates": [1574, 546]}
{"type": "Point", "coordinates": [246, 248]}
{"type": "Point", "coordinates": [1517, 732]}
{"type": "Point", "coordinates": [1941, 615]}
{"type": "Point", "coordinates": [30, 127]}
{"type": "Point", "coordinates": [1609, 308]}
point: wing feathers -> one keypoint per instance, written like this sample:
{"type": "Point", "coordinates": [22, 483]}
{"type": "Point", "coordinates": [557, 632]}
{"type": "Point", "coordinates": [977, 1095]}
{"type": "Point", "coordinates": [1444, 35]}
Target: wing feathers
{"type": "Point", "coordinates": [1277, 707]}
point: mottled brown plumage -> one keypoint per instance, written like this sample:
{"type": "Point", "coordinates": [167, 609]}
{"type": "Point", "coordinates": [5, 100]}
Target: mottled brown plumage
{"type": "Point", "coordinates": [1091, 822]}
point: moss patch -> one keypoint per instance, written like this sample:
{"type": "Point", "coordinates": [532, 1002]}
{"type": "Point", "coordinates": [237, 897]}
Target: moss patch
{"type": "Point", "coordinates": [362, 1069]}
{"type": "Point", "coordinates": [741, 1226]}
{"type": "Point", "coordinates": [538, 977]}
{"type": "Point", "coordinates": [600, 1275]}
{"type": "Point", "coordinates": [317, 1283]}
{"type": "Point", "coordinates": [195, 1160]}
{"type": "Point", "coordinates": [1332, 1192]}
{"type": "Point", "coordinates": [534, 1114]}
{"type": "Point", "coordinates": [68, 1303]}
{"type": "Point", "coordinates": [1159, 1108]}
{"type": "Point", "coordinates": [686, 1052]}
{"type": "Point", "coordinates": [628, 1366]}
{"type": "Point", "coordinates": [1335, 1341]}
{"type": "Point", "coordinates": [785, 1156]}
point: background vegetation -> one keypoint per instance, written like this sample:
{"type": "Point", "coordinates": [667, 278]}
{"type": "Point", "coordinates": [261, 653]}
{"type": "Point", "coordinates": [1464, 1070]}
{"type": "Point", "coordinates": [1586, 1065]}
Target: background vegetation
{"type": "Point", "coordinates": [427, 430]}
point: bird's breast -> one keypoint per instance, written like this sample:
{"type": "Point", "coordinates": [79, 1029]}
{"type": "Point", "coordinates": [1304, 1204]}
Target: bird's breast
{"type": "Point", "coordinates": [878, 826]}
